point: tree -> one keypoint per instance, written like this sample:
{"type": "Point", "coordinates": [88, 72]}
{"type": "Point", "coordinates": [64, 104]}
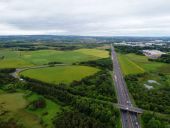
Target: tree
{"type": "Point", "coordinates": [154, 123]}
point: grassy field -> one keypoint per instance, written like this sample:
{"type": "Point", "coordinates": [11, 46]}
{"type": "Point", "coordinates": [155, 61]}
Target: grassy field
{"type": "Point", "coordinates": [134, 64]}
{"type": "Point", "coordinates": [60, 74]}
{"type": "Point", "coordinates": [128, 66]}
{"type": "Point", "coordinates": [30, 58]}
{"type": "Point", "coordinates": [15, 106]}
{"type": "Point", "coordinates": [51, 108]}
{"type": "Point", "coordinates": [12, 102]}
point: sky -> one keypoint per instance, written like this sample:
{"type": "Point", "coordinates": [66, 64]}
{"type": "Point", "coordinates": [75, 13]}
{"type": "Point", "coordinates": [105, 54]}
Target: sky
{"type": "Point", "coordinates": [85, 17]}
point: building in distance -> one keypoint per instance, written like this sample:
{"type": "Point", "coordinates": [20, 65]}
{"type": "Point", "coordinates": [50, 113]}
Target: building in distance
{"type": "Point", "coordinates": [153, 54]}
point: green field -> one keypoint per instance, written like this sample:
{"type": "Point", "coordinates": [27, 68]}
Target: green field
{"type": "Point", "coordinates": [14, 105]}
{"type": "Point", "coordinates": [12, 102]}
{"type": "Point", "coordinates": [40, 57]}
{"type": "Point", "coordinates": [60, 74]}
{"type": "Point", "coordinates": [51, 108]}
{"type": "Point", "coordinates": [134, 64]}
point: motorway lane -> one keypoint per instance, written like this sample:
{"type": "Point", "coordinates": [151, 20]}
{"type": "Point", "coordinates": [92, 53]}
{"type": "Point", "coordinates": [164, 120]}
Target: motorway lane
{"type": "Point", "coordinates": [129, 119]}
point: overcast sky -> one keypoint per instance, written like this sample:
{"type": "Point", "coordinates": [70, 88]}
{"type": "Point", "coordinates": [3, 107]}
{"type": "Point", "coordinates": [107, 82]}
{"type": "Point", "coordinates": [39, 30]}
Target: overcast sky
{"type": "Point", "coordinates": [85, 17]}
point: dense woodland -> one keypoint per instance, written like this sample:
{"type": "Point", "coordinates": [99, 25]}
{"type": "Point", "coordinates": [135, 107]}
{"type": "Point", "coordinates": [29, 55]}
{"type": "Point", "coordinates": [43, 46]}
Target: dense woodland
{"type": "Point", "coordinates": [153, 120]}
{"type": "Point", "coordinates": [154, 99]}
{"type": "Point", "coordinates": [76, 119]}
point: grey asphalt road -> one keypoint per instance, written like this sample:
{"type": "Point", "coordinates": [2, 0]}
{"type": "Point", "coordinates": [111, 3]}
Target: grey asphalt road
{"type": "Point", "coordinates": [129, 118]}
{"type": "Point", "coordinates": [18, 70]}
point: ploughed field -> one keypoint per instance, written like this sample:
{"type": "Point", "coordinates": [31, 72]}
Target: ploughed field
{"type": "Point", "coordinates": [17, 59]}
{"type": "Point", "coordinates": [60, 74]}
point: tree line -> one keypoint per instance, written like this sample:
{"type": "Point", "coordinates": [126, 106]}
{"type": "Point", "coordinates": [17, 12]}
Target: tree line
{"type": "Point", "coordinates": [105, 63]}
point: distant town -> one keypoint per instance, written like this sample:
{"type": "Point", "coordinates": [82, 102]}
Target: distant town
{"type": "Point", "coordinates": [152, 52]}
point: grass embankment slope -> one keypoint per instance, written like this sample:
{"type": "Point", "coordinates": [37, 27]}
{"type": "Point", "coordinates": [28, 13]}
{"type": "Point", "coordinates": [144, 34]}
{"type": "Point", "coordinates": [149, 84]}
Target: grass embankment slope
{"type": "Point", "coordinates": [14, 105]}
{"type": "Point", "coordinates": [18, 59]}
{"type": "Point", "coordinates": [136, 64]}
{"type": "Point", "coordinates": [60, 74]}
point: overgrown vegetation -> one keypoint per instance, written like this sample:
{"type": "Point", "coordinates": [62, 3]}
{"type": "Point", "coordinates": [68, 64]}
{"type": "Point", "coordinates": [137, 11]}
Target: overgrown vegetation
{"type": "Point", "coordinates": [155, 120]}
{"type": "Point", "coordinates": [157, 99]}
{"type": "Point", "coordinates": [10, 123]}
{"type": "Point", "coordinates": [165, 58]}
{"type": "Point", "coordinates": [76, 119]}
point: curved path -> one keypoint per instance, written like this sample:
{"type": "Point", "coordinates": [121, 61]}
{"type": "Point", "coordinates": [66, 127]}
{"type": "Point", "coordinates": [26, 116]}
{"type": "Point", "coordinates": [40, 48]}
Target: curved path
{"type": "Point", "coordinates": [18, 70]}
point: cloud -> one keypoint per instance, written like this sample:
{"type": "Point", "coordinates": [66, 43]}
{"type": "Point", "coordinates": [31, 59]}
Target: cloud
{"type": "Point", "coordinates": [85, 17]}
{"type": "Point", "coordinates": [6, 29]}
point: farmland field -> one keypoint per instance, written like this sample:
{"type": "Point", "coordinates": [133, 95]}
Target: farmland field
{"type": "Point", "coordinates": [134, 64]}
{"type": "Point", "coordinates": [17, 59]}
{"type": "Point", "coordinates": [60, 74]}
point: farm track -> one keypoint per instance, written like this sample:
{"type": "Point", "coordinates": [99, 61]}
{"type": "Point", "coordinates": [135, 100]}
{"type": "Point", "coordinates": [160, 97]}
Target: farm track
{"type": "Point", "coordinates": [18, 70]}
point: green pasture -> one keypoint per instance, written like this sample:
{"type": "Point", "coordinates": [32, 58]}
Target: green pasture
{"type": "Point", "coordinates": [135, 64]}
{"type": "Point", "coordinates": [60, 74]}
{"type": "Point", "coordinates": [12, 102]}
{"type": "Point", "coordinates": [51, 108]}
{"type": "Point", "coordinates": [40, 57]}
{"type": "Point", "coordinates": [15, 106]}
{"type": "Point", "coordinates": [128, 66]}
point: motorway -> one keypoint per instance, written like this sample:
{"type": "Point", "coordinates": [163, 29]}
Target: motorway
{"type": "Point", "coordinates": [129, 118]}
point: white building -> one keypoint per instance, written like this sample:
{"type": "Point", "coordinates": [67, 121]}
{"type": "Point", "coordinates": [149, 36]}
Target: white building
{"type": "Point", "coordinates": [153, 54]}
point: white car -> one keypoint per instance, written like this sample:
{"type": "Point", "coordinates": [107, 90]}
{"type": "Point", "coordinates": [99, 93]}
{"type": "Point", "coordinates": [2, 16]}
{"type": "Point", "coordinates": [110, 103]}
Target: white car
{"type": "Point", "coordinates": [21, 79]}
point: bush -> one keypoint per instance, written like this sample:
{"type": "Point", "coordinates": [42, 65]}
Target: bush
{"type": "Point", "coordinates": [38, 103]}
